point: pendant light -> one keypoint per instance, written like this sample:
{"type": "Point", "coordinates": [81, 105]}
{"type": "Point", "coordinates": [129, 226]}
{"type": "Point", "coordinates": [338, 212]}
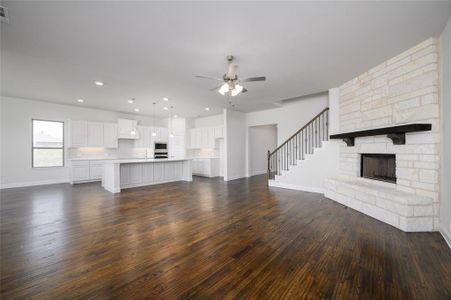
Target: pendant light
{"type": "Point", "coordinates": [153, 120]}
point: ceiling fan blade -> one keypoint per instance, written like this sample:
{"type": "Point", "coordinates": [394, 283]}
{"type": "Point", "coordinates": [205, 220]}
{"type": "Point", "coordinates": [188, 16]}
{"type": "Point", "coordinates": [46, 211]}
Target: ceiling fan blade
{"type": "Point", "coordinates": [261, 78]}
{"type": "Point", "coordinates": [215, 88]}
{"type": "Point", "coordinates": [208, 77]}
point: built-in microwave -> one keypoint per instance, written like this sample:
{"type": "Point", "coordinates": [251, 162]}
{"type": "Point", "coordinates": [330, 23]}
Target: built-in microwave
{"type": "Point", "coordinates": [161, 146]}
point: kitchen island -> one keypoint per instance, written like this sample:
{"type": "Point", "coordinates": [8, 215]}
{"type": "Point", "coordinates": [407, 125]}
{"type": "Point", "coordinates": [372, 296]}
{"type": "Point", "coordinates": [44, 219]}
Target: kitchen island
{"type": "Point", "coordinates": [127, 173]}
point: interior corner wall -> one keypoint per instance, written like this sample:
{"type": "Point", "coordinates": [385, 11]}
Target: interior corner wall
{"type": "Point", "coordinates": [235, 144]}
{"type": "Point", "coordinates": [445, 201]}
{"type": "Point", "coordinates": [291, 116]}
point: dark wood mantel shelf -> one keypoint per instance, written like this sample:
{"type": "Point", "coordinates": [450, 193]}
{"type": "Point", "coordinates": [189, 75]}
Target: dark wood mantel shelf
{"type": "Point", "coordinates": [396, 133]}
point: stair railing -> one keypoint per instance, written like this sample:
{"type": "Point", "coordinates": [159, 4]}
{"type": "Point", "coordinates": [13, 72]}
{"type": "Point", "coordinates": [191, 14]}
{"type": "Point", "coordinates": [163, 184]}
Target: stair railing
{"type": "Point", "coordinates": [299, 144]}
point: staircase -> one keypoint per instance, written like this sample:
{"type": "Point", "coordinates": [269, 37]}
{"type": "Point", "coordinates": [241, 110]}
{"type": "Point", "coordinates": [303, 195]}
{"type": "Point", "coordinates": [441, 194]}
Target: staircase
{"type": "Point", "coordinates": [306, 159]}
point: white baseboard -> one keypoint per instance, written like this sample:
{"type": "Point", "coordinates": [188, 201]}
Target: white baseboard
{"type": "Point", "coordinates": [255, 173]}
{"type": "Point", "coordinates": [32, 183]}
{"type": "Point", "coordinates": [234, 177]}
{"type": "Point", "coordinates": [446, 236]}
{"type": "Point", "coordinates": [295, 187]}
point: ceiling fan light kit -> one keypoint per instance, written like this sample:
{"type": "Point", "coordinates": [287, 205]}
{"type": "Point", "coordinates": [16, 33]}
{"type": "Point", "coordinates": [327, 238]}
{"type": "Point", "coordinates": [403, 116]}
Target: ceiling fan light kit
{"type": "Point", "coordinates": [231, 82]}
{"type": "Point", "coordinates": [224, 89]}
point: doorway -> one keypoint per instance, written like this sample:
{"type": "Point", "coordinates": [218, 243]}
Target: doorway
{"type": "Point", "coordinates": [261, 139]}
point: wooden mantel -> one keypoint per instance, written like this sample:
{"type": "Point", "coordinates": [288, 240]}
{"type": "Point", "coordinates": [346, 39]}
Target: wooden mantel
{"type": "Point", "coordinates": [396, 133]}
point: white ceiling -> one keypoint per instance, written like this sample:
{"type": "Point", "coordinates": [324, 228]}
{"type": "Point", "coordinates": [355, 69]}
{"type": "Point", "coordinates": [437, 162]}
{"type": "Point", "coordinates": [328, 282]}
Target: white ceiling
{"type": "Point", "coordinates": [54, 51]}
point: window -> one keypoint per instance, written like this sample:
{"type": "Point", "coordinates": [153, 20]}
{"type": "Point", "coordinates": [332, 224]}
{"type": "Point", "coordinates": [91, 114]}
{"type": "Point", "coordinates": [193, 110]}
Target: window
{"type": "Point", "coordinates": [48, 144]}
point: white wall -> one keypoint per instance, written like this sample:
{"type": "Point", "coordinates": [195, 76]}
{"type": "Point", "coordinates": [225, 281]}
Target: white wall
{"type": "Point", "coordinates": [235, 144]}
{"type": "Point", "coordinates": [445, 203]}
{"type": "Point", "coordinates": [16, 116]}
{"type": "Point", "coordinates": [334, 111]}
{"type": "Point", "coordinates": [290, 117]}
{"type": "Point", "coordinates": [261, 139]}
{"type": "Point", "coordinates": [210, 121]}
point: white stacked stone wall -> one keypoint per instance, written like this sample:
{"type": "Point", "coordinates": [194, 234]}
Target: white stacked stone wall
{"type": "Point", "coordinates": [402, 90]}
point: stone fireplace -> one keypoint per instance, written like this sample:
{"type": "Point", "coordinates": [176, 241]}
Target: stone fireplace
{"type": "Point", "coordinates": [391, 179]}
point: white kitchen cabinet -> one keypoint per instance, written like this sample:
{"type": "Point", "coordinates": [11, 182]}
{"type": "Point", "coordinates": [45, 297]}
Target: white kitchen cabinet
{"type": "Point", "coordinates": [208, 167]}
{"type": "Point", "coordinates": [218, 132]}
{"type": "Point", "coordinates": [78, 134]}
{"type": "Point", "coordinates": [109, 135]}
{"type": "Point", "coordinates": [127, 129]}
{"type": "Point", "coordinates": [164, 135]}
{"type": "Point", "coordinates": [80, 171]}
{"type": "Point", "coordinates": [178, 126]}
{"type": "Point", "coordinates": [193, 135]}
{"type": "Point", "coordinates": [211, 140]}
{"type": "Point", "coordinates": [156, 137]}
{"type": "Point", "coordinates": [86, 170]}
{"type": "Point", "coordinates": [205, 137]}
{"type": "Point", "coordinates": [141, 141]}
{"type": "Point", "coordinates": [92, 134]}
{"type": "Point", "coordinates": [146, 140]}
{"type": "Point", "coordinates": [95, 134]}
{"type": "Point", "coordinates": [95, 171]}
{"type": "Point", "coordinates": [177, 147]}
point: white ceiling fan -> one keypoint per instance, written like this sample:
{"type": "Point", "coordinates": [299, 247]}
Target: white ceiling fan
{"type": "Point", "coordinates": [231, 82]}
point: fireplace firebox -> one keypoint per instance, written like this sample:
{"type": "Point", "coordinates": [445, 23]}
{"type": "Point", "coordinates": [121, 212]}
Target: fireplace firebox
{"type": "Point", "coordinates": [379, 167]}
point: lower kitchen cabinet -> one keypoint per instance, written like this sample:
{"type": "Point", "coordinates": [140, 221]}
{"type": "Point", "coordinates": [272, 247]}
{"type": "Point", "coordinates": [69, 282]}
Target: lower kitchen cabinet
{"type": "Point", "coordinates": [208, 167]}
{"type": "Point", "coordinates": [86, 171]}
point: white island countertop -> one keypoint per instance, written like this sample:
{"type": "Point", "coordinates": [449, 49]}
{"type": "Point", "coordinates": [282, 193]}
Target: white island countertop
{"type": "Point", "coordinates": [144, 160]}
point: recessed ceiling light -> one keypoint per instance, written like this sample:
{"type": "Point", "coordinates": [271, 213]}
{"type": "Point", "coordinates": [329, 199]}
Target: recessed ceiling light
{"type": "Point", "coordinates": [136, 109]}
{"type": "Point", "coordinates": [165, 99]}
{"type": "Point", "coordinates": [165, 108]}
{"type": "Point", "coordinates": [207, 108]}
{"type": "Point", "coordinates": [131, 101]}
{"type": "Point", "coordinates": [99, 83]}
{"type": "Point", "coordinates": [80, 100]}
{"type": "Point", "coordinates": [175, 116]}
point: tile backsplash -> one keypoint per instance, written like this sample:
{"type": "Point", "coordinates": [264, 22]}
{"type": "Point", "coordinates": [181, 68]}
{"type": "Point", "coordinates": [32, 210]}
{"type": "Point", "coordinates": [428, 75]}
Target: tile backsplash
{"type": "Point", "coordinates": [125, 150]}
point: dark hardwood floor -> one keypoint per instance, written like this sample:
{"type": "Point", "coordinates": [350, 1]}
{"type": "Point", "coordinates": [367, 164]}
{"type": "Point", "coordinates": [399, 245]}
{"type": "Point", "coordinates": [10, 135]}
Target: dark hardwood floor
{"type": "Point", "coordinates": [208, 239]}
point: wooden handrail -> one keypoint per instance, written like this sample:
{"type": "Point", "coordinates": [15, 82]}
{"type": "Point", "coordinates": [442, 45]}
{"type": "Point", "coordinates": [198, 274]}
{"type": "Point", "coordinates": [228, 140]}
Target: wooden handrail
{"type": "Point", "coordinates": [303, 127]}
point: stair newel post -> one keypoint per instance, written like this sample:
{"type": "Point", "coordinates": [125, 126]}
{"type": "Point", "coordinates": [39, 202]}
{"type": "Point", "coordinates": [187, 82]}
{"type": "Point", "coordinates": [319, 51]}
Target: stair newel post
{"type": "Point", "coordinates": [269, 165]}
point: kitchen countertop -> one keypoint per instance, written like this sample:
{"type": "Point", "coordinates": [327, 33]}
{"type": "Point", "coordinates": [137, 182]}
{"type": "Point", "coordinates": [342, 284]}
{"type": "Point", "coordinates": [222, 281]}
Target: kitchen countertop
{"type": "Point", "coordinates": [95, 158]}
{"type": "Point", "coordinates": [144, 160]}
{"type": "Point", "coordinates": [140, 159]}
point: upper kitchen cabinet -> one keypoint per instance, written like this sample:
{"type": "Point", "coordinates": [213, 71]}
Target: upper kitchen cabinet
{"type": "Point", "coordinates": [95, 134]}
{"type": "Point", "coordinates": [164, 135]}
{"type": "Point", "coordinates": [144, 140]}
{"type": "Point", "coordinates": [127, 129]}
{"type": "Point", "coordinates": [205, 137]}
{"type": "Point", "coordinates": [110, 135]}
{"type": "Point", "coordinates": [78, 134]}
{"type": "Point", "coordinates": [92, 134]}
{"type": "Point", "coordinates": [147, 140]}
{"type": "Point", "coordinates": [218, 132]}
